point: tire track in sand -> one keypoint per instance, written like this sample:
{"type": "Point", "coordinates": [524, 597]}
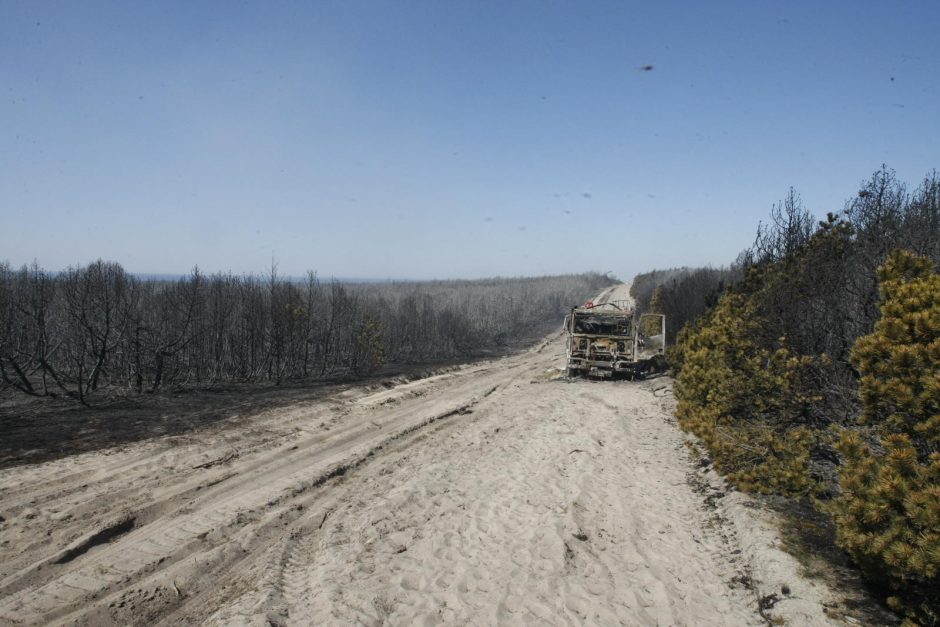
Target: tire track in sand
{"type": "Point", "coordinates": [543, 507]}
{"type": "Point", "coordinates": [497, 494]}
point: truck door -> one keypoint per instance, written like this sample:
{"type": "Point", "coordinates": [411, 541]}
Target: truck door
{"type": "Point", "coordinates": [650, 336]}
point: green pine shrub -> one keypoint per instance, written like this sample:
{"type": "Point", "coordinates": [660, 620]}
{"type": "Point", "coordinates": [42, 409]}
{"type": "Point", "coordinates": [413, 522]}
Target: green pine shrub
{"type": "Point", "coordinates": [746, 402]}
{"type": "Point", "coordinates": [370, 355]}
{"type": "Point", "coordinates": [888, 516]}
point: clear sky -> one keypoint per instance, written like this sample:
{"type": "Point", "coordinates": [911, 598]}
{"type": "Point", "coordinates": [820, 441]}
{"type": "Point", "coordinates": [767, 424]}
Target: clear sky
{"type": "Point", "coordinates": [446, 139]}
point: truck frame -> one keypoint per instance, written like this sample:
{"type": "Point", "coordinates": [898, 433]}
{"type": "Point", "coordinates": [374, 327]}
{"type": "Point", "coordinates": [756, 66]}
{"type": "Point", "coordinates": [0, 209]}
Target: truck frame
{"type": "Point", "coordinates": [608, 340]}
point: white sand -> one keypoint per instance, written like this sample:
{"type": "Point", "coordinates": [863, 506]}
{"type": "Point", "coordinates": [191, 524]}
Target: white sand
{"type": "Point", "coordinates": [498, 493]}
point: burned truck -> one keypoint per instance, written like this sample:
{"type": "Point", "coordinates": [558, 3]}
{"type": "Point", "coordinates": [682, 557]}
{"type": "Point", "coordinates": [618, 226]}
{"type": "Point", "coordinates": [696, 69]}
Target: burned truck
{"type": "Point", "coordinates": [608, 340]}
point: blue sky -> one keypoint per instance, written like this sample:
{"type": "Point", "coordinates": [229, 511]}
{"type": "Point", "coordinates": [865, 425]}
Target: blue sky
{"type": "Point", "coordinates": [446, 139]}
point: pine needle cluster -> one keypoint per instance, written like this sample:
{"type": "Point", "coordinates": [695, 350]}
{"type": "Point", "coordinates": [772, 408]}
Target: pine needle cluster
{"type": "Point", "coordinates": [746, 402]}
{"type": "Point", "coordinates": [888, 517]}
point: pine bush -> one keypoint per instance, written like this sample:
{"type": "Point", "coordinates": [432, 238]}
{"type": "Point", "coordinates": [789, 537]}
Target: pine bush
{"type": "Point", "coordinates": [370, 346]}
{"type": "Point", "coordinates": [888, 517]}
{"type": "Point", "coordinates": [744, 401]}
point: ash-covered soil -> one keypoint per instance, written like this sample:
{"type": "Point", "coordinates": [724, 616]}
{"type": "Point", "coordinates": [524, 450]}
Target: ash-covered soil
{"type": "Point", "coordinates": [38, 430]}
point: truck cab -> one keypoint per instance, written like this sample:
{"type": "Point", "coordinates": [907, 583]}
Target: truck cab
{"type": "Point", "coordinates": [609, 341]}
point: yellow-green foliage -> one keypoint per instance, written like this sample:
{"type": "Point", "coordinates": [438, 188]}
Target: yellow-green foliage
{"type": "Point", "coordinates": [370, 345]}
{"type": "Point", "coordinates": [745, 402]}
{"type": "Point", "coordinates": [888, 516]}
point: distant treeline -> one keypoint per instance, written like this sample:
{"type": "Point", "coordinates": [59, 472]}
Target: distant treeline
{"type": "Point", "coordinates": [813, 370]}
{"type": "Point", "coordinates": [96, 329]}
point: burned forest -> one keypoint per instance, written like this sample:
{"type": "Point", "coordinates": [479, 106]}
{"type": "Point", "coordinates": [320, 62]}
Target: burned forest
{"type": "Point", "coordinates": [96, 331]}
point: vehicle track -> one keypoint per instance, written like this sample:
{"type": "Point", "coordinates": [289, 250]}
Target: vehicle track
{"type": "Point", "coordinates": [494, 493]}
{"type": "Point", "coordinates": [180, 507]}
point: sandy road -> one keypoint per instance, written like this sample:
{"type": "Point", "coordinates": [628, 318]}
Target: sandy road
{"type": "Point", "coordinates": [493, 493]}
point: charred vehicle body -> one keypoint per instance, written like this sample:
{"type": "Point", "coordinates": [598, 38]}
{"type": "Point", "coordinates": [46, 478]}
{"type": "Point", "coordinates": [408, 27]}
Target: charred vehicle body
{"type": "Point", "coordinates": [608, 340]}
